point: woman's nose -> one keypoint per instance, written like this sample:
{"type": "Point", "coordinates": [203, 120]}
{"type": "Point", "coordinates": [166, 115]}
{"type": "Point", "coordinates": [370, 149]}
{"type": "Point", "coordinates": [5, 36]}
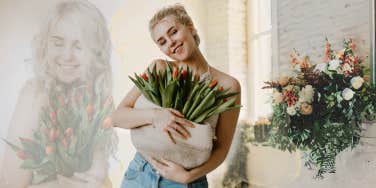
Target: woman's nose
{"type": "Point", "coordinates": [171, 42]}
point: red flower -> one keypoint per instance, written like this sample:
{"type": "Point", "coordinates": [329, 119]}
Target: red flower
{"type": "Point", "coordinates": [53, 116]}
{"type": "Point", "coordinates": [145, 76]}
{"type": "Point", "coordinates": [290, 97]}
{"type": "Point", "coordinates": [184, 73]}
{"type": "Point", "coordinates": [53, 134]}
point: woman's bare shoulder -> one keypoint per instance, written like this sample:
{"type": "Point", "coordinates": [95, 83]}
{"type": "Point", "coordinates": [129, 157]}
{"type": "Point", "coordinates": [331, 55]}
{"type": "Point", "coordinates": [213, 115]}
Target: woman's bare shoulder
{"type": "Point", "coordinates": [226, 80]}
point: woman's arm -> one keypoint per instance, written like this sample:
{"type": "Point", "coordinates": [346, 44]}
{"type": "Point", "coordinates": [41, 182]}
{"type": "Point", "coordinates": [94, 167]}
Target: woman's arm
{"type": "Point", "coordinates": [24, 120]}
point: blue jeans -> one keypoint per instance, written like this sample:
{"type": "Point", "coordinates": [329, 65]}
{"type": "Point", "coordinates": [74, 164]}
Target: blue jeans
{"type": "Point", "coordinates": [140, 174]}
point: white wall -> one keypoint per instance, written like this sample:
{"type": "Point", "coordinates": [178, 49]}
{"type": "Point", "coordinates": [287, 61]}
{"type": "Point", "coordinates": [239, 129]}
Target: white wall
{"type": "Point", "coordinates": [304, 25]}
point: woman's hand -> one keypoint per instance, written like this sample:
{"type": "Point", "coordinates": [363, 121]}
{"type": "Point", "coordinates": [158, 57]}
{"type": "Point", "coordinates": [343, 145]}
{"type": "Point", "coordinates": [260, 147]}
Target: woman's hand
{"type": "Point", "coordinates": [170, 170]}
{"type": "Point", "coordinates": [172, 121]}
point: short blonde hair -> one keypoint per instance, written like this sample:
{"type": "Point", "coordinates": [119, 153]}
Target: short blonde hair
{"type": "Point", "coordinates": [179, 12]}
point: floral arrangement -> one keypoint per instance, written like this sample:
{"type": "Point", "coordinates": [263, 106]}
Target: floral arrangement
{"type": "Point", "coordinates": [320, 108]}
{"type": "Point", "coordinates": [69, 131]}
{"type": "Point", "coordinates": [178, 88]}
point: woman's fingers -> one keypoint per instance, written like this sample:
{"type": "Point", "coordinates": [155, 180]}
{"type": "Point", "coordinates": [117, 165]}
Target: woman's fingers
{"type": "Point", "coordinates": [176, 112]}
{"type": "Point", "coordinates": [169, 136]}
{"type": "Point", "coordinates": [176, 129]}
{"type": "Point", "coordinates": [185, 122]}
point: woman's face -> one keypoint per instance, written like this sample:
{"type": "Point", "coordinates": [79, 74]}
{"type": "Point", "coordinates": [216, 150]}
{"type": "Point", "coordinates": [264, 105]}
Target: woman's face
{"type": "Point", "coordinates": [66, 54]}
{"type": "Point", "coordinates": [174, 39]}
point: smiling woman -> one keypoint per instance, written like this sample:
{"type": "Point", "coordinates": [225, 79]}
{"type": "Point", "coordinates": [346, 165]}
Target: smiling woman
{"type": "Point", "coordinates": [174, 33]}
{"type": "Point", "coordinates": [71, 55]}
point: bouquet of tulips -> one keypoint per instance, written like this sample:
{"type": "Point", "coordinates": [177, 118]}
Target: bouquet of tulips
{"type": "Point", "coordinates": [178, 88]}
{"type": "Point", "coordinates": [320, 108]}
{"type": "Point", "coordinates": [68, 133]}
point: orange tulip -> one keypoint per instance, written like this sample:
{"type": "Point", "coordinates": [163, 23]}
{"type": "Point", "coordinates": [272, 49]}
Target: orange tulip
{"type": "Point", "coordinates": [213, 83]}
{"type": "Point", "coordinates": [68, 131]}
{"type": "Point", "coordinates": [90, 110]}
{"type": "Point", "coordinates": [21, 154]}
{"type": "Point", "coordinates": [107, 123]}
{"type": "Point", "coordinates": [49, 150]}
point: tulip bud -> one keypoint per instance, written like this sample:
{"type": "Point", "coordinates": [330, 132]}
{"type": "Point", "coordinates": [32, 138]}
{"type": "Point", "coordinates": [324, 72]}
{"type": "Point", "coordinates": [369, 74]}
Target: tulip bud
{"type": "Point", "coordinates": [145, 76]}
{"type": "Point", "coordinates": [53, 116]}
{"type": "Point", "coordinates": [184, 73]}
{"type": "Point", "coordinates": [175, 73]}
{"type": "Point", "coordinates": [213, 83]}
{"type": "Point", "coordinates": [21, 154]}
{"type": "Point", "coordinates": [90, 110]}
{"type": "Point", "coordinates": [68, 131]}
{"type": "Point", "coordinates": [61, 101]}
{"type": "Point", "coordinates": [49, 149]}
{"type": "Point", "coordinates": [65, 143]}
{"type": "Point", "coordinates": [107, 123]}
{"type": "Point", "coordinates": [220, 89]}
{"type": "Point", "coordinates": [53, 134]}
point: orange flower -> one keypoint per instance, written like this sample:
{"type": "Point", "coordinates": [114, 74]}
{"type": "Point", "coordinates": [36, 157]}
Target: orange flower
{"type": "Point", "coordinates": [21, 154]}
{"type": "Point", "coordinates": [213, 83]}
{"type": "Point", "coordinates": [175, 73]}
{"type": "Point", "coordinates": [49, 150]}
{"type": "Point", "coordinates": [90, 110]}
{"type": "Point", "coordinates": [220, 89]}
{"type": "Point", "coordinates": [107, 123]}
{"type": "Point", "coordinates": [305, 64]}
{"type": "Point", "coordinates": [68, 131]}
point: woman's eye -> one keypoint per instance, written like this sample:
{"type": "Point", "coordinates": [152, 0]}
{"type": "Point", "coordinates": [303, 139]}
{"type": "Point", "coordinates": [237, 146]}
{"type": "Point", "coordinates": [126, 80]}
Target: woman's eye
{"type": "Point", "coordinates": [174, 31]}
{"type": "Point", "coordinates": [162, 43]}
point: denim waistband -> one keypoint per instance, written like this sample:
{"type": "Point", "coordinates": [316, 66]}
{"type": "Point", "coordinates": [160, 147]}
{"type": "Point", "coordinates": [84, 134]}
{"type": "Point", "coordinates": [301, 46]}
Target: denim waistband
{"type": "Point", "coordinates": [142, 162]}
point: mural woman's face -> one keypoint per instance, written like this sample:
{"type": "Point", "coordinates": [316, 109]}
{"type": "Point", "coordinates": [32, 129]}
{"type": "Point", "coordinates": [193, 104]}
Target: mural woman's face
{"type": "Point", "coordinates": [66, 54]}
{"type": "Point", "coordinates": [174, 39]}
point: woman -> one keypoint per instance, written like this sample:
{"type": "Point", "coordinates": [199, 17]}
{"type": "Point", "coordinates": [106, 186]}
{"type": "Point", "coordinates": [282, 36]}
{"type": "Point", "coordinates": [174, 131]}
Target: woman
{"type": "Point", "coordinates": [174, 33]}
{"type": "Point", "coordinates": [71, 51]}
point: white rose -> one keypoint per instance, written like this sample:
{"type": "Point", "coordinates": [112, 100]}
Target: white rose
{"type": "Point", "coordinates": [348, 94]}
{"type": "Point", "coordinates": [306, 94]}
{"type": "Point", "coordinates": [291, 110]}
{"type": "Point", "coordinates": [321, 67]}
{"type": "Point", "coordinates": [334, 64]}
{"type": "Point", "coordinates": [357, 82]}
